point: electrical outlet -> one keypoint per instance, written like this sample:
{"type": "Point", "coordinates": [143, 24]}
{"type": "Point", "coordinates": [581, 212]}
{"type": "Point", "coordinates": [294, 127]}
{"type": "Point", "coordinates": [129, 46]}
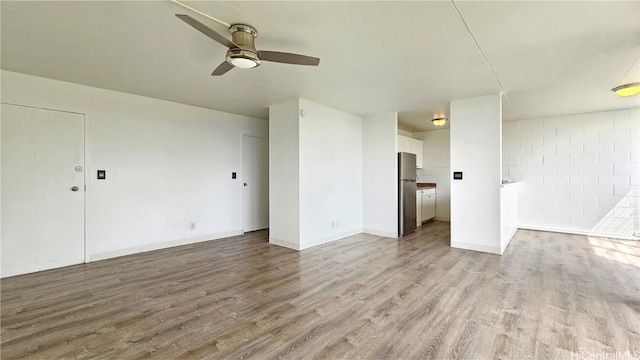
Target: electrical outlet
{"type": "Point", "coordinates": [192, 226]}
{"type": "Point", "coordinates": [333, 224]}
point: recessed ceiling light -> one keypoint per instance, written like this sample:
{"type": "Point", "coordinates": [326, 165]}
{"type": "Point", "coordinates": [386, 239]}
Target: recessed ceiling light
{"type": "Point", "coordinates": [439, 121]}
{"type": "Point", "coordinates": [627, 89]}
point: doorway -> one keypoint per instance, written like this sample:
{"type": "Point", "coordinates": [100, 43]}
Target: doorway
{"type": "Point", "coordinates": [255, 178]}
{"type": "Point", "coordinates": [43, 189]}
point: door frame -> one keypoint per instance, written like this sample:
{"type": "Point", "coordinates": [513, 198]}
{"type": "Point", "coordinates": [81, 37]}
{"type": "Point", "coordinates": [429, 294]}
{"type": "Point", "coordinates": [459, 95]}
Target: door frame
{"type": "Point", "coordinates": [86, 167]}
{"type": "Point", "coordinates": [260, 135]}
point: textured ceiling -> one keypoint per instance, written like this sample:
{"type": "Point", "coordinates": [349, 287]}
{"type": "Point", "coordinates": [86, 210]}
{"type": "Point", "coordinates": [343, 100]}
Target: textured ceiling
{"type": "Point", "coordinates": [549, 58]}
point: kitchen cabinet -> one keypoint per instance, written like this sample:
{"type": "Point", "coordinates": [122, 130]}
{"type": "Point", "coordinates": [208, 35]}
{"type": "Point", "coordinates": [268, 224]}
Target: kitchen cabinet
{"type": "Point", "coordinates": [416, 148]}
{"type": "Point", "coordinates": [412, 146]}
{"type": "Point", "coordinates": [428, 206]}
{"type": "Point", "coordinates": [403, 144]}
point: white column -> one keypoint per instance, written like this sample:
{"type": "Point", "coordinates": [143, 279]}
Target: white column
{"type": "Point", "coordinates": [284, 175]}
{"type": "Point", "coordinates": [476, 151]}
{"type": "Point", "coordinates": [315, 174]}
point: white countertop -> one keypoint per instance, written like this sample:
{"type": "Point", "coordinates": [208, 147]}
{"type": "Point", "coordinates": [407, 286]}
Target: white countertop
{"type": "Point", "coordinates": [509, 183]}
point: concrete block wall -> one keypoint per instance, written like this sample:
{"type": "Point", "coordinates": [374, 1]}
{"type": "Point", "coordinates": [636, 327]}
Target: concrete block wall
{"type": "Point", "coordinates": [579, 173]}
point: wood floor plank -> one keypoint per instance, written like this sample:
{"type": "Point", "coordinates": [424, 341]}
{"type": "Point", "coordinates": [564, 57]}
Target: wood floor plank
{"type": "Point", "coordinates": [364, 297]}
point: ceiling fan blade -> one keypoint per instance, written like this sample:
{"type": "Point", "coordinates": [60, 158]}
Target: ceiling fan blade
{"type": "Point", "coordinates": [288, 58]}
{"type": "Point", "coordinates": [222, 69]}
{"type": "Point", "coordinates": [206, 30]}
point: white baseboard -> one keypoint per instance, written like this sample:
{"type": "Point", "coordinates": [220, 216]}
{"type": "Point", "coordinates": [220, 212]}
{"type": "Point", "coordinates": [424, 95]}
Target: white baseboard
{"type": "Point", "coordinates": [327, 239]}
{"type": "Point", "coordinates": [476, 247]}
{"type": "Point", "coordinates": [314, 242]}
{"type": "Point", "coordinates": [504, 246]}
{"type": "Point", "coordinates": [284, 243]}
{"type": "Point", "coordinates": [381, 233]}
{"type": "Point", "coordinates": [578, 232]}
{"type": "Point", "coordinates": [552, 229]}
{"type": "Point", "coordinates": [157, 246]}
{"type": "Point", "coordinates": [8, 270]}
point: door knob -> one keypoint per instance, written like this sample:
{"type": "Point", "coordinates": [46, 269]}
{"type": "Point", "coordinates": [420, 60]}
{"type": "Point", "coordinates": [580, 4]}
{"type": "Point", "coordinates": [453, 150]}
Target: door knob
{"type": "Point", "coordinates": [74, 188]}
{"type": "Point", "coordinates": [245, 184]}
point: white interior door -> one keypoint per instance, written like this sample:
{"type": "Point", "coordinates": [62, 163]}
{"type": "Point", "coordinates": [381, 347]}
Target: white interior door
{"type": "Point", "coordinates": [255, 177]}
{"type": "Point", "coordinates": [42, 189]}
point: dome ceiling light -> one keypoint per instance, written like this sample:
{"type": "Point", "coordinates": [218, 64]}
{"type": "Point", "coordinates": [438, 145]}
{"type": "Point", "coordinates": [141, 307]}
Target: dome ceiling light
{"type": "Point", "coordinates": [627, 89]}
{"type": "Point", "coordinates": [439, 121]}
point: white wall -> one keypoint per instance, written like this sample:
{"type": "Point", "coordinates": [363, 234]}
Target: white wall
{"type": "Point", "coordinates": [580, 173]}
{"type": "Point", "coordinates": [476, 151]}
{"type": "Point", "coordinates": [167, 165]}
{"type": "Point", "coordinates": [330, 174]}
{"type": "Point", "coordinates": [379, 168]}
{"type": "Point", "coordinates": [284, 173]}
{"type": "Point", "coordinates": [436, 168]}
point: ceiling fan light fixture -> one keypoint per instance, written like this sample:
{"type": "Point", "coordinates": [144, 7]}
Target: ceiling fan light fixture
{"type": "Point", "coordinates": [243, 63]}
{"type": "Point", "coordinates": [243, 58]}
{"type": "Point", "coordinates": [627, 89]}
{"type": "Point", "coordinates": [439, 121]}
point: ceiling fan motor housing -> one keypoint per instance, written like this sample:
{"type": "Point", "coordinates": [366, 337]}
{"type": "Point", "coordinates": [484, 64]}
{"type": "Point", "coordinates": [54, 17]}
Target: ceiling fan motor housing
{"type": "Point", "coordinates": [243, 36]}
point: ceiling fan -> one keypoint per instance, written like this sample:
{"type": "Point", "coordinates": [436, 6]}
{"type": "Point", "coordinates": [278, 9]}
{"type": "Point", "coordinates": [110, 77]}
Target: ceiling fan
{"type": "Point", "coordinates": [242, 51]}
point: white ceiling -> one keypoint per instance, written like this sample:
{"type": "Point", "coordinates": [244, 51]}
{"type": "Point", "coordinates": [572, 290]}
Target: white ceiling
{"type": "Point", "coordinates": [549, 58]}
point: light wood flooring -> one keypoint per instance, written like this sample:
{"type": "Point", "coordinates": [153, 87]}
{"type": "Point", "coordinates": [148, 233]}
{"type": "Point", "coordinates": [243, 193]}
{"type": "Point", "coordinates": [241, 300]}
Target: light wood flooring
{"type": "Point", "coordinates": [364, 297]}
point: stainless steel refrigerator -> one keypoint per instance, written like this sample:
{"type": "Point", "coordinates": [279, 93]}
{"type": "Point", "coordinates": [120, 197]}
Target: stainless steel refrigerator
{"type": "Point", "coordinates": [406, 193]}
